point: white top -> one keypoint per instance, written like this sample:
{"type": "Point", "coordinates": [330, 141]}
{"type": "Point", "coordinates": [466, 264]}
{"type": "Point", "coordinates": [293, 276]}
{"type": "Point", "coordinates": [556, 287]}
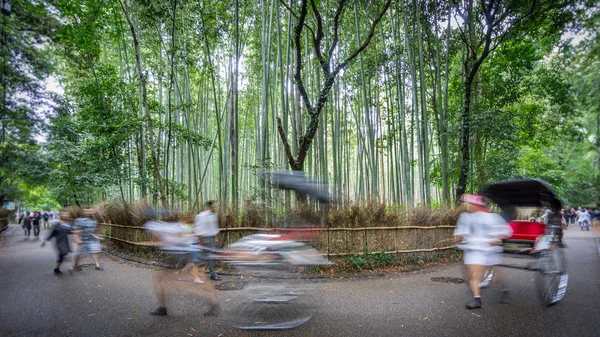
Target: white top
{"type": "Point", "coordinates": [480, 229]}
{"type": "Point", "coordinates": [172, 236]}
{"type": "Point", "coordinates": [206, 224]}
{"type": "Point", "coordinates": [584, 216]}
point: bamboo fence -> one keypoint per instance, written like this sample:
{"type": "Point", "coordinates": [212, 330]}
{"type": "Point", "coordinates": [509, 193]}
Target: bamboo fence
{"type": "Point", "coordinates": [334, 241]}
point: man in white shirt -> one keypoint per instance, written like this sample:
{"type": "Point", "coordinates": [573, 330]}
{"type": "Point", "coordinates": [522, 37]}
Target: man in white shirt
{"type": "Point", "coordinates": [584, 219]}
{"type": "Point", "coordinates": [206, 227]}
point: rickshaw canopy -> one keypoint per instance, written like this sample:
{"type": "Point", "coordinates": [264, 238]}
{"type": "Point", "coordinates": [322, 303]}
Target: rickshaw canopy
{"type": "Point", "coordinates": [522, 193]}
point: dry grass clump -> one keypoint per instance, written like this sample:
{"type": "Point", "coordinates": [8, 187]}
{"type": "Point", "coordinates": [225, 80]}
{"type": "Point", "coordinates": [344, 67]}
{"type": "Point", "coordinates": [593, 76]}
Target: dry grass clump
{"type": "Point", "coordinates": [253, 216]}
{"type": "Point", "coordinates": [374, 214]}
{"type": "Point", "coordinates": [355, 214]}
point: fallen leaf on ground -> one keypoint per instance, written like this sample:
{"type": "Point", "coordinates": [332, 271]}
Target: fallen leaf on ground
{"type": "Point", "coordinates": [426, 318]}
{"type": "Point", "coordinates": [135, 305]}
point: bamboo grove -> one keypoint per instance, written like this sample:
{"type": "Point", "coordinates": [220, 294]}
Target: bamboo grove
{"type": "Point", "coordinates": [402, 102]}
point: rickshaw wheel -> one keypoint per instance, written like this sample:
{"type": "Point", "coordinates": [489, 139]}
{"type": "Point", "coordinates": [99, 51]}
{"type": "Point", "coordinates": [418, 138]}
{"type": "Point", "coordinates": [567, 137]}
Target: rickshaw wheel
{"type": "Point", "coordinates": [552, 277]}
{"type": "Point", "coordinates": [270, 307]}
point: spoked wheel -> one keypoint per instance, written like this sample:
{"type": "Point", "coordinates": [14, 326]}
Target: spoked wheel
{"type": "Point", "coordinates": [552, 277]}
{"type": "Point", "coordinates": [274, 307]}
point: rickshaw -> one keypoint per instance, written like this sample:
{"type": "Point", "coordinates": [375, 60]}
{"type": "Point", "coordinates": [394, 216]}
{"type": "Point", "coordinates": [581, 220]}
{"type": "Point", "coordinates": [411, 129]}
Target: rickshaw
{"type": "Point", "coordinates": [269, 302]}
{"type": "Point", "coordinates": [532, 239]}
{"type": "Point", "coordinates": [274, 303]}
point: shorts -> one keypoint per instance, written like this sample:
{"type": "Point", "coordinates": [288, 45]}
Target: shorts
{"type": "Point", "coordinates": [481, 258]}
{"type": "Point", "coordinates": [90, 247]}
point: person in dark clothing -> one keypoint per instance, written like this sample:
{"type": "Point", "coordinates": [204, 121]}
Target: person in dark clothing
{"type": "Point", "coordinates": [46, 217]}
{"type": "Point", "coordinates": [27, 225]}
{"type": "Point", "coordinates": [61, 232]}
{"type": "Point", "coordinates": [36, 224]}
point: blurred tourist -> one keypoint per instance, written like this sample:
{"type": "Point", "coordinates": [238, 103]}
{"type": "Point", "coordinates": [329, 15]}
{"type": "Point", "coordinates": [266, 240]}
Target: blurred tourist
{"type": "Point", "coordinates": [479, 234]}
{"type": "Point", "coordinates": [90, 243]}
{"type": "Point", "coordinates": [26, 224]}
{"type": "Point", "coordinates": [36, 224]}
{"type": "Point", "coordinates": [174, 241]}
{"type": "Point", "coordinates": [584, 219]}
{"type": "Point", "coordinates": [206, 227]}
{"type": "Point", "coordinates": [61, 234]}
{"type": "Point", "coordinates": [46, 218]}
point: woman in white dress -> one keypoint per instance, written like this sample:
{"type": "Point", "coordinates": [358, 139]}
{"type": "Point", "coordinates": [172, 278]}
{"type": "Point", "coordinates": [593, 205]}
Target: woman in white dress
{"type": "Point", "coordinates": [479, 234]}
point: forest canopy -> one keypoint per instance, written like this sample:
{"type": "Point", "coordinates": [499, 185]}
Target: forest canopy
{"type": "Point", "coordinates": [403, 102]}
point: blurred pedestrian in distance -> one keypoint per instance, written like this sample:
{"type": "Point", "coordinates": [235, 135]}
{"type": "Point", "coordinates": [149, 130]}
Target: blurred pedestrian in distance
{"type": "Point", "coordinates": [595, 215]}
{"type": "Point", "coordinates": [90, 243]}
{"type": "Point", "coordinates": [206, 227]}
{"type": "Point", "coordinates": [36, 224]}
{"type": "Point", "coordinates": [572, 215]}
{"type": "Point", "coordinates": [26, 224]}
{"type": "Point", "coordinates": [61, 234]}
{"type": "Point", "coordinates": [479, 233]}
{"type": "Point", "coordinates": [584, 219]}
{"type": "Point", "coordinates": [546, 217]}
{"type": "Point", "coordinates": [46, 218]}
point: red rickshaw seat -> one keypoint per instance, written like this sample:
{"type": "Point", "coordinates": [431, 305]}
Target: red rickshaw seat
{"type": "Point", "coordinates": [526, 230]}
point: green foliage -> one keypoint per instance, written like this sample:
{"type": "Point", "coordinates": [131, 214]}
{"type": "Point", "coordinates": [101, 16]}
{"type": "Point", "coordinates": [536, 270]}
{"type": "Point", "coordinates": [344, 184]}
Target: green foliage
{"type": "Point", "coordinates": [38, 197]}
{"type": "Point", "coordinates": [372, 260]}
{"type": "Point", "coordinates": [24, 67]}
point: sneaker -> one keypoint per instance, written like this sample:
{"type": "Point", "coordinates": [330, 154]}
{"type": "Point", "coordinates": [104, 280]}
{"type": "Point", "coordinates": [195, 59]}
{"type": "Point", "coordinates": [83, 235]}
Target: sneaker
{"type": "Point", "coordinates": [215, 277]}
{"type": "Point", "coordinates": [78, 268]}
{"type": "Point", "coordinates": [99, 268]}
{"type": "Point", "coordinates": [57, 272]}
{"type": "Point", "coordinates": [505, 297]}
{"type": "Point", "coordinates": [198, 281]}
{"type": "Point", "coordinates": [475, 304]}
{"type": "Point", "coordinates": [160, 311]}
{"type": "Point", "coordinates": [215, 309]}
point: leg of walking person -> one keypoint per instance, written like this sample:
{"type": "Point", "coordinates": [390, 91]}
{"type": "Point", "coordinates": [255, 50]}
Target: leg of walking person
{"type": "Point", "coordinates": [96, 257]}
{"type": "Point", "coordinates": [59, 261]}
{"type": "Point", "coordinates": [475, 272]}
{"type": "Point", "coordinates": [76, 266]}
{"type": "Point", "coordinates": [160, 280]}
{"type": "Point", "coordinates": [210, 243]}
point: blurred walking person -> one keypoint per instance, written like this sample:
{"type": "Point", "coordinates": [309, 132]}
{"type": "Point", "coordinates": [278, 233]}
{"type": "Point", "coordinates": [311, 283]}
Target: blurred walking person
{"type": "Point", "coordinates": [26, 224]}
{"type": "Point", "coordinates": [61, 232]}
{"type": "Point", "coordinates": [206, 227]}
{"type": "Point", "coordinates": [90, 243]}
{"type": "Point", "coordinates": [46, 217]}
{"type": "Point", "coordinates": [584, 219]}
{"type": "Point", "coordinates": [175, 242]}
{"type": "Point", "coordinates": [36, 224]}
{"type": "Point", "coordinates": [479, 233]}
